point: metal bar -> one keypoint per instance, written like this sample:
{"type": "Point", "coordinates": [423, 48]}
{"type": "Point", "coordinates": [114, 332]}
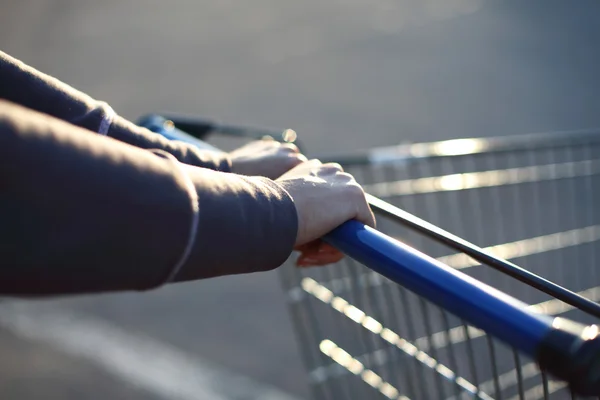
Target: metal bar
{"type": "Point", "coordinates": [471, 356]}
{"type": "Point", "coordinates": [495, 373]}
{"type": "Point", "coordinates": [520, 382]}
{"type": "Point", "coordinates": [545, 386]}
{"type": "Point", "coordinates": [452, 355]}
{"type": "Point", "coordinates": [460, 147]}
{"type": "Point", "coordinates": [490, 178]}
{"type": "Point", "coordinates": [198, 128]}
{"type": "Point", "coordinates": [570, 351]}
{"type": "Point", "coordinates": [558, 344]}
{"type": "Point", "coordinates": [456, 335]}
{"type": "Point", "coordinates": [434, 353]}
{"type": "Point", "coordinates": [411, 334]}
{"type": "Point", "coordinates": [480, 255]}
{"type": "Point", "coordinates": [422, 360]}
{"type": "Point", "coordinates": [162, 126]}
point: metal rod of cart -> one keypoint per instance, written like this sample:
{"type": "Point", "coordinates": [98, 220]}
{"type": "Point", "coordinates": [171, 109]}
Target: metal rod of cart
{"type": "Point", "coordinates": [416, 312]}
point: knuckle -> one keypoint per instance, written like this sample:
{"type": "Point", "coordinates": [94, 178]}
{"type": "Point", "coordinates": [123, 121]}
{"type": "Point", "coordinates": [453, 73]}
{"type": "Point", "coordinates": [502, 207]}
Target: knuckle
{"type": "Point", "coordinates": [355, 189]}
{"type": "Point", "coordinates": [312, 167]}
{"type": "Point", "coordinates": [263, 144]}
{"type": "Point", "coordinates": [333, 166]}
{"type": "Point", "coordinates": [301, 157]}
{"type": "Point", "coordinates": [293, 161]}
{"type": "Point", "coordinates": [346, 178]}
{"type": "Point", "coordinates": [290, 147]}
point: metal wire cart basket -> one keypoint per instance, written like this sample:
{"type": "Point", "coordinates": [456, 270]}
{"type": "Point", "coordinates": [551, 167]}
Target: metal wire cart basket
{"type": "Point", "coordinates": [388, 322]}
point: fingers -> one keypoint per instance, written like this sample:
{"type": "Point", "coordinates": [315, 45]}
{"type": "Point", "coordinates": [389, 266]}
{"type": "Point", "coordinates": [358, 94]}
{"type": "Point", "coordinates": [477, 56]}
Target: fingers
{"type": "Point", "coordinates": [322, 204]}
{"type": "Point", "coordinates": [291, 147]}
{"type": "Point", "coordinates": [301, 157]}
{"type": "Point", "coordinates": [346, 178]}
{"type": "Point", "coordinates": [331, 168]}
{"type": "Point", "coordinates": [271, 144]}
{"type": "Point", "coordinates": [315, 167]}
{"type": "Point", "coordinates": [310, 167]}
{"type": "Point", "coordinates": [317, 253]}
{"type": "Point", "coordinates": [294, 152]}
{"type": "Point", "coordinates": [291, 161]}
{"type": "Point", "coordinates": [364, 213]}
{"type": "Point", "coordinates": [366, 216]}
{"type": "Point", "coordinates": [290, 153]}
{"type": "Point", "coordinates": [314, 162]}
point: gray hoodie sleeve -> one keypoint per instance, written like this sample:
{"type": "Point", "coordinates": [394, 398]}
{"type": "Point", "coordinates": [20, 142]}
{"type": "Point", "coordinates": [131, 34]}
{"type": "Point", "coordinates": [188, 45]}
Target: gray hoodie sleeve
{"type": "Point", "coordinates": [80, 212]}
{"type": "Point", "coordinates": [24, 85]}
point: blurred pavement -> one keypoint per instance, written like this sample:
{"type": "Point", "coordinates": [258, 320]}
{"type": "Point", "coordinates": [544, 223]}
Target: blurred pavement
{"type": "Point", "coordinates": [344, 74]}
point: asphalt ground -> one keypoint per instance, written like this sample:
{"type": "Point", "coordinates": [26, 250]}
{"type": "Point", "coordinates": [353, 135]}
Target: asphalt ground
{"type": "Point", "coordinates": [345, 76]}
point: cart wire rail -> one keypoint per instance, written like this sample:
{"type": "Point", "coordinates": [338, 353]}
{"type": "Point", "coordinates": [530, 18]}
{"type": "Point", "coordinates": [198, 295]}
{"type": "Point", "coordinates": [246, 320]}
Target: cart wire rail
{"type": "Point", "coordinates": [416, 312]}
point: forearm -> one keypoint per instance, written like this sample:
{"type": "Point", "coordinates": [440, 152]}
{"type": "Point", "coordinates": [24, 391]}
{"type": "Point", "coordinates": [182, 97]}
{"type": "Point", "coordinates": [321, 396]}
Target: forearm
{"type": "Point", "coordinates": [247, 224]}
{"type": "Point", "coordinates": [85, 213]}
{"type": "Point", "coordinates": [24, 85]}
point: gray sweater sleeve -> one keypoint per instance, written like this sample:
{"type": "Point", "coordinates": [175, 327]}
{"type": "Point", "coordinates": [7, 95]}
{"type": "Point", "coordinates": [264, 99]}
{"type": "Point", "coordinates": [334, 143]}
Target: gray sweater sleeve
{"type": "Point", "coordinates": [80, 212]}
{"type": "Point", "coordinates": [24, 85]}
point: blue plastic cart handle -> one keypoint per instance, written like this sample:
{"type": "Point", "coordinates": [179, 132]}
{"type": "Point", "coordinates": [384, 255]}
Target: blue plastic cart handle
{"type": "Point", "coordinates": [475, 302]}
{"type": "Point", "coordinates": [566, 349]}
{"type": "Point", "coordinates": [158, 124]}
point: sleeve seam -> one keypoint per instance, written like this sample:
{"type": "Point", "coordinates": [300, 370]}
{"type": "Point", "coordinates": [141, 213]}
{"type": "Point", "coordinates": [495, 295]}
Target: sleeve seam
{"type": "Point", "coordinates": [107, 119]}
{"type": "Point", "coordinates": [195, 219]}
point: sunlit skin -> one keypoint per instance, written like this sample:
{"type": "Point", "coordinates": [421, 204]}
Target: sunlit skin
{"type": "Point", "coordinates": [272, 159]}
{"type": "Point", "coordinates": [324, 195]}
{"type": "Point", "coordinates": [265, 158]}
{"type": "Point", "coordinates": [317, 253]}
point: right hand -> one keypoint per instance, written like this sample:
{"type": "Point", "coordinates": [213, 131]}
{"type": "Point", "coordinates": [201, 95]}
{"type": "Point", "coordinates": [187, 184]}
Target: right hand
{"type": "Point", "coordinates": [325, 197]}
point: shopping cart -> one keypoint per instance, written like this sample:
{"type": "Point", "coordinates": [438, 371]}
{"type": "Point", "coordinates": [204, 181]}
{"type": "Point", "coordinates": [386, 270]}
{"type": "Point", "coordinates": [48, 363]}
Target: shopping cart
{"type": "Point", "coordinates": [389, 322]}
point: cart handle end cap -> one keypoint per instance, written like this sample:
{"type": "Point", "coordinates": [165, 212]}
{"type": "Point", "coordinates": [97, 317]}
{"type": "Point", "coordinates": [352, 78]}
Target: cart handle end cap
{"type": "Point", "coordinates": [571, 352]}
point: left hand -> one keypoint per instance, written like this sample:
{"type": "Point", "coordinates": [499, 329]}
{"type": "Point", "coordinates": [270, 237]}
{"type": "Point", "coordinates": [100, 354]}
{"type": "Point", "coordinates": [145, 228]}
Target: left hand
{"type": "Point", "coordinates": [267, 158]}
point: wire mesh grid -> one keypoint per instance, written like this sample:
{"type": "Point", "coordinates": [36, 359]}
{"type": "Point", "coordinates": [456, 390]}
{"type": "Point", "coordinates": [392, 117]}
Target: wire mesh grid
{"type": "Point", "coordinates": [364, 337]}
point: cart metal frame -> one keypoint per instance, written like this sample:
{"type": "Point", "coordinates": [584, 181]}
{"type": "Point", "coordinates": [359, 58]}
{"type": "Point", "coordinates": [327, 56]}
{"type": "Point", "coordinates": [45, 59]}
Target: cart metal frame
{"type": "Point", "coordinates": [390, 322]}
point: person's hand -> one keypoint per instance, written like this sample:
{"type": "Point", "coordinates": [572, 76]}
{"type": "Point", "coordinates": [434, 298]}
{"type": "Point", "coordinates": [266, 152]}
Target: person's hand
{"type": "Point", "coordinates": [325, 197]}
{"type": "Point", "coordinates": [267, 158]}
